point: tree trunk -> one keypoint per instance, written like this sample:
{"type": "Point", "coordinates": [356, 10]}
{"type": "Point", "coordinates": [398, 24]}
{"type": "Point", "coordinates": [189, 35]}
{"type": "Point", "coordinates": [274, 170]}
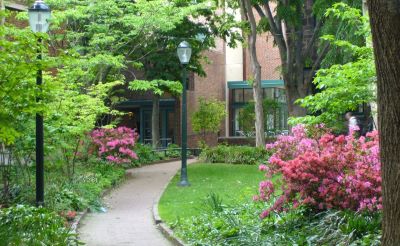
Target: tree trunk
{"type": "Point", "coordinates": [293, 93]}
{"type": "Point", "coordinates": [297, 44]}
{"type": "Point", "coordinates": [155, 124]}
{"type": "Point", "coordinates": [385, 24]}
{"type": "Point", "coordinates": [256, 70]}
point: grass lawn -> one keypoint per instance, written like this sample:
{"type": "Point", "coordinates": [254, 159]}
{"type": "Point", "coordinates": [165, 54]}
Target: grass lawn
{"type": "Point", "coordinates": [232, 183]}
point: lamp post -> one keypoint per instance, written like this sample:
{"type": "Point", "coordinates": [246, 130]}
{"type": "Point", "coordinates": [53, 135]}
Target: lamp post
{"type": "Point", "coordinates": [184, 52]}
{"type": "Point", "coordinates": [39, 15]}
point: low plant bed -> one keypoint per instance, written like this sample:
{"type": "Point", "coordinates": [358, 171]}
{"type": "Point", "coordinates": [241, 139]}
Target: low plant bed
{"type": "Point", "coordinates": [235, 155]}
{"type": "Point", "coordinates": [65, 196]}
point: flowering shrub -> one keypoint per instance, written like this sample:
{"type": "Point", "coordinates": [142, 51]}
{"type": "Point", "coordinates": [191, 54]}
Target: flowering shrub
{"type": "Point", "coordinates": [115, 145]}
{"type": "Point", "coordinates": [324, 171]}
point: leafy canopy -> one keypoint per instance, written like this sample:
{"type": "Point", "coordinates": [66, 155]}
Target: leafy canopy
{"type": "Point", "coordinates": [344, 87]}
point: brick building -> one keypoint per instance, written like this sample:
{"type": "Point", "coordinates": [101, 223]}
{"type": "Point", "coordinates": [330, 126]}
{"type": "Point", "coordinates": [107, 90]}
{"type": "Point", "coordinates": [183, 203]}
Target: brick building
{"type": "Point", "coordinates": [225, 81]}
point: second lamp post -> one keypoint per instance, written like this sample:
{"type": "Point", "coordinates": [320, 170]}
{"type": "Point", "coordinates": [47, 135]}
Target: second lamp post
{"type": "Point", "coordinates": [39, 15]}
{"type": "Point", "coordinates": [184, 52]}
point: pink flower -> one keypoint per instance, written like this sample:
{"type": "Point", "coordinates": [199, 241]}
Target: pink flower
{"type": "Point", "coordinates": [324, 171]}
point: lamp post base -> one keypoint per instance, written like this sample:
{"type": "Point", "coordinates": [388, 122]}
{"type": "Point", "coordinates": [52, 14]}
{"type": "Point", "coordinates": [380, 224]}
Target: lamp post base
{"type": "Point", "coordinates": [184, 183]}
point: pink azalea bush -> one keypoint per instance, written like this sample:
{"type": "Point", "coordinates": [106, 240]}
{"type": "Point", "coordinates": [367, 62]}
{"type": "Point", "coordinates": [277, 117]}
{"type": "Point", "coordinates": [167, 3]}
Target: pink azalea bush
{"type": "Point", "coordinates": [115, 145]}
{"type": "Point", "coordinates": [323, 171]}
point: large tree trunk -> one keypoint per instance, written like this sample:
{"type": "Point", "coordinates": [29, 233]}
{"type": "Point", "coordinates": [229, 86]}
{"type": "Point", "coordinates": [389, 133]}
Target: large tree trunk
{"type": "Point", "coordinates": [155, 124]}
{"type": "Point", "coordinates": [385, 24]}
{"type": "Point", "coordinates": [293, 94]}
{"type": "Point", "coordinates": [297, 44]}
{"type": "Point", "coordinates": [256, 70]}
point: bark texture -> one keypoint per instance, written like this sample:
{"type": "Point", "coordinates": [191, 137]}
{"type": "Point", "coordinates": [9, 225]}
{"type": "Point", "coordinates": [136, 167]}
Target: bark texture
{"type": "Point", "coordinates": [385, 24]}
{"type": "Point", "coordinates": [297, 44]}
{"type": "Point", "coordinates": [247, 12]}
{"type": "Point", "coordinates": [155, 123]}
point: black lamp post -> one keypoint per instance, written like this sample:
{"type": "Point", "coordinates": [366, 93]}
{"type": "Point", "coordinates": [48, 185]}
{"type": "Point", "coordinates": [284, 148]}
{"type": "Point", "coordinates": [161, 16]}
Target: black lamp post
{"type": "Point", "coordinates": [184, 52]}
{"type": "Point", "coordinates": [39, 15]}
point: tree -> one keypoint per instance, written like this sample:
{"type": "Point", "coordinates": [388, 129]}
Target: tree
{"type": "Point", "coordinates": [158, 88]}
{"type": "Point", "coordinates": [18, 61]}
{"type": "Point", "coordinates": [342, 88]}
{"type": "Point", "coordinates": [208, 117]}
{"type": "Point", "coordinates": [246, 9]}
{"type": "Point", "coordinates": [296, 27]}
{"type": "Point", "coordinates": [131, 36]}
{"type": "Point", "coordinates": [385, 23]}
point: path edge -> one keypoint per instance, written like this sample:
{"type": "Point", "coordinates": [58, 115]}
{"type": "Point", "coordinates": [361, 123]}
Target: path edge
{"type": "Point", "coordinates": [162, 226]}
{"type": "Point", "coordinates": [81, 215]}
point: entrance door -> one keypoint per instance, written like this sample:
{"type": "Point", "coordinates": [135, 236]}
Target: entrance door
{"type": "Point", "coordinates": [167, 122]}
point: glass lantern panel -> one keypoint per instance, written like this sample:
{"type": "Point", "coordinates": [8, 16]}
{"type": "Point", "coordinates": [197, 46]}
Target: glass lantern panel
{"type": "Point", "coordinates": [39, 20]}
{"type": "Point", "coordinates": [184, 55]}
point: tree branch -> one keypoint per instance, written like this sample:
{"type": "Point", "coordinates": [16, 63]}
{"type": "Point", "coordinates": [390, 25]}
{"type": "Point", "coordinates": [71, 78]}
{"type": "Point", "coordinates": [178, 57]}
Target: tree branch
{"type": "Point", "coordinates": [317, 64]}
{"type": "Point", "coordinates": [313, 39]}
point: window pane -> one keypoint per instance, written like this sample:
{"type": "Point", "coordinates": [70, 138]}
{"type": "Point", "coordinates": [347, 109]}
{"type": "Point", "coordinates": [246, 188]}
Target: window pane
{"type": "Point", "coordinates": [238, 95]}
{"type": "Point", "coordinates": [269, 93]}
{"type": "Point", "coordinates": [248, 95]}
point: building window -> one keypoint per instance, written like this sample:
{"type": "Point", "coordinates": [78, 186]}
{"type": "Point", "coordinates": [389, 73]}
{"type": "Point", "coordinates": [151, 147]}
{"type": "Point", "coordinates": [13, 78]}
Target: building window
{"type": "Point", "coordinates": [190, 82]}
{"type": "Point", "coordinates": [275, 117]}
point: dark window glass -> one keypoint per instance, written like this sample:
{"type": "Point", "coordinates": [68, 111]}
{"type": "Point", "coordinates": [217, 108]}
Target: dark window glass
{"type": "Point", "coordinates": [248, 95]}
{"type": "Point", "coordinates": [237, 95]}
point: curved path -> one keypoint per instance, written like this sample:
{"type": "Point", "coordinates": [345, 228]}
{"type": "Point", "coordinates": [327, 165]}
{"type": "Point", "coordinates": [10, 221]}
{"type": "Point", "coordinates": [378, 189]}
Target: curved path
{"type": "Point", "coordinates": [129, 219]}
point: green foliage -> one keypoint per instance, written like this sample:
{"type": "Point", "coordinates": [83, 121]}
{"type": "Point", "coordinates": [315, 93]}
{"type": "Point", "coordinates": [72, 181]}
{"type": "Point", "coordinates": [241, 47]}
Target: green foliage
{"type": "Point", "coordinates": [25, 225]}
{"type": "Point", "coordinates": [19, 63]}
{"type": "Point", "coordinates": [341, 88]}
{"type": "Point", "coordinates": [235, 155]}
{"type": "Point", "coordinates": [146, 154]}
{"type": "Point", "coordinates": [157, 87]}
{"type": "Point", "coordinates": [247, 115]}
{"type": "Point", "coordinates": [173, 151]}
{"type": "Point", "coordinates": [240, 225]}
{"type": "Point", "coordinates": [209, 116]}
{"type": "Point", "coordinates": [343, 21]}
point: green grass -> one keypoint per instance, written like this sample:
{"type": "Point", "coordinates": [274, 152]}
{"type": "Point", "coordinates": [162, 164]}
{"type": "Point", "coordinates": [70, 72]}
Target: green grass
{"type": "Point", "coordinates": [232, 183]}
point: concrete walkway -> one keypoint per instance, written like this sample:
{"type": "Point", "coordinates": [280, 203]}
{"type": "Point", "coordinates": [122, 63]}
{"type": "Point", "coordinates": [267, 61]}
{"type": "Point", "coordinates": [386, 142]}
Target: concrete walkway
{"type": "Point", "coordinates": [129, 220]}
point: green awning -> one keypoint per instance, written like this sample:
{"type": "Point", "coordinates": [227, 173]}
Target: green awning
{"type": "Point", "coordinates": [264, 84]}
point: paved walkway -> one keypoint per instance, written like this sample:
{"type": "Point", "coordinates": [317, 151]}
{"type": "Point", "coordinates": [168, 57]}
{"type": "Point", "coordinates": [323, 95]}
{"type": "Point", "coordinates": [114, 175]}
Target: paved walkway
{"type": "Point", "coordinates": [129, 219]}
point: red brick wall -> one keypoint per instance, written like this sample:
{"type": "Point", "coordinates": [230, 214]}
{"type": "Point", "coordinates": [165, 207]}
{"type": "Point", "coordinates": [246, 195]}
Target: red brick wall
{"type": "Point", "coordinates": [212, 87]}
{"type": "Point", "coordinates": [268, 57]}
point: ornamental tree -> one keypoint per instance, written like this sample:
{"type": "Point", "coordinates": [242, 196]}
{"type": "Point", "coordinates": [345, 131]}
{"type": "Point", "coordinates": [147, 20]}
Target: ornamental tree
{"type": "Point", "coordinates": [208, 117]}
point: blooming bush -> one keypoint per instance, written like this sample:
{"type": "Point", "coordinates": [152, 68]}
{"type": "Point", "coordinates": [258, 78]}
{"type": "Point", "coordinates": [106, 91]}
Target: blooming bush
{"type": "Point", "coordinates": [324, 171]}
{"type": "Point", "coordinates": [115, 145]}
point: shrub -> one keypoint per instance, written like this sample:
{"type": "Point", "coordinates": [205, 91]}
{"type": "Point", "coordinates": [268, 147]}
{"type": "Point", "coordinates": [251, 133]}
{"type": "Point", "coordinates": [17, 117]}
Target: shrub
{"type": "Point", "coordinates": [115, 145]}
{"type": "Point", "coordinates": [235, 155]}
{"type": "Point", "coordinates": [145, 154]}
{"type": "Point", "coordinates": [24, 225]}
{"type": "Point", "coordinates": [173, 151]}
{"type": "Point", "coordinates": [324, 172]}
